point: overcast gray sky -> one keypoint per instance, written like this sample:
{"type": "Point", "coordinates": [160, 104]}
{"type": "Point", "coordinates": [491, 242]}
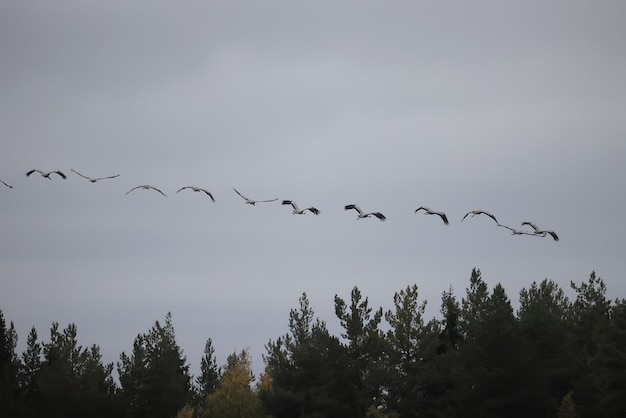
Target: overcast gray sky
{"type": "Point", "coordinates": [514, 108]}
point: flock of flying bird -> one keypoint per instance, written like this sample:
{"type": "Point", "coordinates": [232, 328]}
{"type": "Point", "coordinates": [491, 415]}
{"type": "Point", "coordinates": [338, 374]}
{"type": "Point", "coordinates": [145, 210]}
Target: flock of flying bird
{"type": "Point", "coordinates": [536, 231]}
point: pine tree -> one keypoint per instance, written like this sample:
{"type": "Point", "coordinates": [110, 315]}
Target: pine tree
{"type": "Point", "coordinates": [305, 370]}
{"type": "Point", "coordinates": [9, 366]}
{"type": "Point", "coordinates": [365, 345]}
{"type": "Point", "coordinates": [155, 377]}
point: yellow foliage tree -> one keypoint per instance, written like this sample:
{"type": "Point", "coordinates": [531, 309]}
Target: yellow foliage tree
{"type": "Point", "coordinates": [235, 397]}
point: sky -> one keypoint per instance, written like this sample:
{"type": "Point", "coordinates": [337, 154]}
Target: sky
{"type": "Point", "coordinates": [515, 108]}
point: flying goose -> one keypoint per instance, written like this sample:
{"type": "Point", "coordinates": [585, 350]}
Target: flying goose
{"type": "Point", "coordinates": [46, 175]}
{"type": "Point", "coordinates": [480, 212]}
{"type": "Point", "coordinates": [93, 180]}
{"type": "Point", "coordinates": [197, 189]}
{"type": "Point", "coordinates": [253, 202]}
{"type": "Point", "coordinates": [541, 232]}
{"type": "Point", "coordinates": [362, 215]}
{"type": "Point", "coordinates": [147, 187]}
{"type": "Point", "coordinates": [428, 211]}
{"type": "Point", "coordinates": [297, 211]}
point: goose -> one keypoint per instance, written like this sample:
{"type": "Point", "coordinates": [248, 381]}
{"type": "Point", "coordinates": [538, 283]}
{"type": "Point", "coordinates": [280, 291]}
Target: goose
{"type": "Point", "coordinates": [428, 211]}
{"type": "Point", "coordinates": [46, 175]}
{"type": "Point", "coordinates": [93, 180]}
{"type": "Point", "coordinates": [297, 211]}
{"type": "Point", "coordinates": [541, 232]}
{"type": "Point", "coordinates": [480, 212]}
{"type": "Point", "coordinates": [147, 187]}
{"type": "Point", "coordinates": [253, 202]}
{"type": "Point", "coordinates": [197, 189]}
{"type": "Point", "coordinates": [8, 185]}
{"type": "Point", "coordinates": [362, 215]}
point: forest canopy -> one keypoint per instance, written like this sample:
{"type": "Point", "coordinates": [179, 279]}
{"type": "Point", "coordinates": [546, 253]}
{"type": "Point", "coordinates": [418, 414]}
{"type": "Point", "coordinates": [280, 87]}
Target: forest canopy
{"type": "Point", "coordinates": [554, 356]}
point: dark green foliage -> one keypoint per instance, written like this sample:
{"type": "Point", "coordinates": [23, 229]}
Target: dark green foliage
{"type": "Point", "coordinates": [553, 358]}
{"type": "Point", "coordinates": [154, 379]}
{"type": "Point", "coordinates": [8, 367]}
{"type": "Point", "coordinates": [307, 368]}
{"type": "Point", "coordinates": [364, 350]}
{"type": "Point", "coordinates": [72, 381]}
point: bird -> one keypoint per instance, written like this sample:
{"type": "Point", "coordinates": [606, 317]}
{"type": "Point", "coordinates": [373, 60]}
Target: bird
{"type": "Point", "coordinates": [46, 175]}
{"type": "Point", "coordinates": [93, 180]}
{"type": "Point", "coordinates": [197, 189]}
{"type": "Point", "coordinates": [8, 185]}
{"type": "Point", "coordinates": [253, 202]}
{"type": "Point", "coordinates": [428, 211]}
{"type": "Point", "coordinates": [362, 215]}
{"type": "Point", "coordinates": [147, 187]}
{"type": "Point", "coordinates": [518, 231]}
{"type": "Point", "coordinates": [541, 232]}
{"type": "Point", "coordinates": [480, 212]}
{"type": "Point", "coordinates": [297, 211]}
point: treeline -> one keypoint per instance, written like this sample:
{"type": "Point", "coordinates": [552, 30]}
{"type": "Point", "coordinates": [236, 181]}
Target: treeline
{"type": "Point", "coordinates": [554, 357]}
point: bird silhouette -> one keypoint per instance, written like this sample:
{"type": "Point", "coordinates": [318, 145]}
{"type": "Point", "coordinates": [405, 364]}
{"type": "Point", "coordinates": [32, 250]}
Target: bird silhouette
{"type": "Point", "coordinates": [298, 211]}
{"type": "Point", "coordinates": [362, 214]}
{"type": "Point", "coordinates": [480, 212]}
{"type": "Point", "coordinates": [541, 232]}
{"type": "Point", "coordinates": [93, 180]}
{"type": "Point", "coordinates": [253, 202]}
{"type": "Point", "coordinates": [147, 187]}
{"type": "Point", "coordinates": [428, 211]}
{"type": "Point", "coordinates": [197, 189]}
{"type": "Point", "coordinates": [46, 174]}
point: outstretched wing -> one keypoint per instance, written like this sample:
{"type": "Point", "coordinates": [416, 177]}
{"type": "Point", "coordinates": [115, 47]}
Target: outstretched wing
{"type": "Point", "coordinates": [154, 188]}
{"type": "Point", "coordinates": [532, 225]}
{"type": "Point", "coordinates": [85, 177]}
{"type": "Point", "coordinates": [63, 176]}
{"type": "Point", "coordinates": [263, 201]}
{"type": "Point", "coordinates": [245, 198]}
{"type": "Point", "coordinates": [443, 216]}
{"type": "Point", "coordinates": [108, 177]}
{"type": "Point", "coordinates": [313, 210]}
{"type": "Point", "coordinates": [355, 207]}
{"type": "Point", "coordinates": [378, 215]}
{"type": "Point", "coordinates": [134, 188]}
{"type": "Point", "coordinates": [9, 186]}
{"type": "Point", "coordinates": [33, 171]}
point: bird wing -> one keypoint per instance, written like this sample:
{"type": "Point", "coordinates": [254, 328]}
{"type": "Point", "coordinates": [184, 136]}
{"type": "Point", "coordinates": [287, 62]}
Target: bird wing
{"type": "Point", "coordinates": [136, 187]}
{"type": "Point", "coordinates": [293, 205]}
{"type": "Point", "coordinates": [270, 200]}
{"type": "Point", "coordinates": [10, 187]}
{"type": "Point", "coordinates": [553, 235]}
{"type": "Point", "coordinates": [355, 207]}
{"type": "Point", "coordinates": [154, 188]}
{"type": "Point", "coordinates": [422, 208]}
{"type": "Point", "coordinates": [32, 171]}
{"type": "Point", "coordinates": [490, 215]}
{"type": "Point", "coordinates": [245, 198]}
{"type": "Point", "coordinates": [209, 194]}
{"type": "Point", "coordinates": [88, 178]}
{"type": "Point", "coordinates": [471, 211]}
{"type": "Point", "coordinates": [378, 215]}
{"type": "Point", "coordinates": [183, 188]}
{"type": "Point", "coordinates": [443, 217]}
{"type": "Point", "coordinates": [531, 224]}
{"type": "Point", "coordinates": [315, 211]}
{"type": "Point", "coordinates": [109, 177]}
{"type": "Point", "coordinates": [63, 176]}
